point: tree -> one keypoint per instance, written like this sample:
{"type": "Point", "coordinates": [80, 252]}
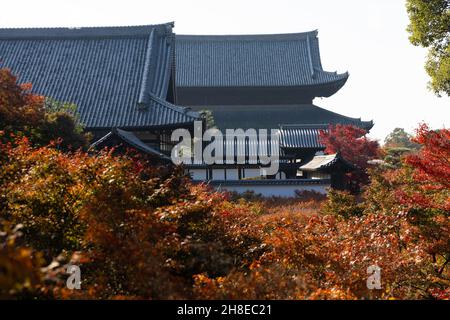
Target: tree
{"type": "Point", "coordinates": [399, 138]}
{"type": "Point", "coordinates": [41, 120]}
{"type": "Point", "coordinates": [208, 117]}
{"type": "Point", "coordinates": [396, 145]}
{"type": "Point", "coordinates": [431, 169]}
{"type": "Point", "coordinates": [19, 109]}
{"type": "Point", "coordinates": [429, 28]}
{"type": "Point", "coordinates": [353, 145]}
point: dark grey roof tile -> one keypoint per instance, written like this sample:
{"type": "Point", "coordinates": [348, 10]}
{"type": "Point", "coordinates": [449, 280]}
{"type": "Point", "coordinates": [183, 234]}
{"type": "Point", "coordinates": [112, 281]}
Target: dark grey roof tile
{"type": "Point", "coordinates": [252, 61]}
{"type": "Point", "coordinates": [307, 135]}
{"type": "Point", "coordinates": [107, 72]}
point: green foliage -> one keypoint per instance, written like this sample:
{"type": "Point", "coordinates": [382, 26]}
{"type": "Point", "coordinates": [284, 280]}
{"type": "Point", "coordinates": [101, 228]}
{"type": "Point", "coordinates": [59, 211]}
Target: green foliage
{"type": "Point", "coordinates": [429, 28]}
{"type": "Point", "coordinates": [396, 145]}
{"type": "Point", "coordinates": [342, 204]}
{"type": "Point", "coordinates": [41, 120]}
{"type": "Point", "coordinates": [61, 127]}
{"type": "Point", "coordinates": [62, 123]}
{"type": "Point", "coordinates": [393, 156]}
{"type": "Point", "coordinates": [399, 138]}
{"type": "Point", "coordinates": [379, 195]}
{"type": "Point", "coordinates": [208, 118]}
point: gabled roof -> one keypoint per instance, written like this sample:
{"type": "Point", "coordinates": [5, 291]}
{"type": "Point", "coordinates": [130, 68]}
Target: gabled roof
{"type": "Point", "coordinates": [130, 139]}
{"type": "Point", "coordinates": [320, 162]}
{"type": "Point", "coordinates": [117, 76]}
{"type": "Point", "coordinates": [277, 60]}
{"type": "Point", "coordinates": [324, 162]}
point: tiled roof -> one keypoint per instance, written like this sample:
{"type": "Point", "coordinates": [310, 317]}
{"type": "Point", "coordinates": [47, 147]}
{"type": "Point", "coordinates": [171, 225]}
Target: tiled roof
{"type": "Point", "coordinates": [324, 161]}
{"type": "Point", "coordinates": [301, 136]}
{"type": "Point", "coordinates": [307, 135]}
{"type": "Point", "coordinates": [131, 139]}
{"type": "Point", "coordinates": [117, 76]}
{"type": "Point", "coordinates": [249, 148]}
{"type": "Point", "coordinates": [279, 60]}
{"type": "Point", "coordinates": [272, 116]}
{"type": "Point", "coordinates": [319, 162]}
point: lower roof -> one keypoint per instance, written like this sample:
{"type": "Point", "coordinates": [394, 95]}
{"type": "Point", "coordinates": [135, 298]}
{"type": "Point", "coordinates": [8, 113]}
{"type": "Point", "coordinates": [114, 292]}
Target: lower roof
{"type": "Point", "coordinates": [129, 138]}
{"type": "Point", "coordinates": [272, 116]}
{"type": "Point", "coordinates": [322, 162]}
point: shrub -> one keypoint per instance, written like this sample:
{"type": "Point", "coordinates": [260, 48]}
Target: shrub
{"type": "Point", "coordinates": [342, 204]}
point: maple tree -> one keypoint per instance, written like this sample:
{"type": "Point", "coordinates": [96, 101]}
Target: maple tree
{"type": "Point", "coordinates": [353, 145]}
{"type": "Point", "coordinates": [431, 168]}
{"type": "Point", "coordinates": [19, 109]}
{"type": "Point", "coordinates": [143, 232]}
{"type": "Point", "coordinates": [41, 120]}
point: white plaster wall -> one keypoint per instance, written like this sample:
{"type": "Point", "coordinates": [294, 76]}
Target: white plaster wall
{"type": "Point", "coordinates": [198, 174]}
{"type": "Point", "coordinates": [252, 173]}
{"type": "Point", "coordinates": [232, 174]}
{"type": "Point", "coordinates": [218, 174]}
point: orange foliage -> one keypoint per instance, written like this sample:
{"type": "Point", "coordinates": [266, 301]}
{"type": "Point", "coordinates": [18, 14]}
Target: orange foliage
{"type": "Point", "coordinates": [140, 232]}
{"type": "Point", "coordinates": [18, 107]}
{"type": "Point", "coordinates": [353, 145]}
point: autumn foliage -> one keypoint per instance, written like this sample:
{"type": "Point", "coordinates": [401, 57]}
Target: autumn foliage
{"type": "Point", "coordinates": [143, 232]}
{"type": "Point", "coordinates": [353, 145]}
{"type": "Point", "coordinates": [431, 170]}
{"type": "Point", "coordinates": [41, 120]}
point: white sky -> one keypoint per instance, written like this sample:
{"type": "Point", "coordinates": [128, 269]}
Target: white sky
{"type": "Point", "coordinates": [387, 81]}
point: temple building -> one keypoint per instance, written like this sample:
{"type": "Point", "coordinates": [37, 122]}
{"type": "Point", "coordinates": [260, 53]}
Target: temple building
{"type": "Point", "coordinates": [134, 85]}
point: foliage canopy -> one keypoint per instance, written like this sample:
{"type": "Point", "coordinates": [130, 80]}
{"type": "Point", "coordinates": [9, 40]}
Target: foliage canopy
{"type": "Point", "coordinates": [430, 28]}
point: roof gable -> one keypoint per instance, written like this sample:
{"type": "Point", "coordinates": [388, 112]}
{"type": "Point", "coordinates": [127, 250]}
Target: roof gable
{"type": "Point", "coordinates": [130, 139]}
{"type": "Point", "coordinates": [323, 162]}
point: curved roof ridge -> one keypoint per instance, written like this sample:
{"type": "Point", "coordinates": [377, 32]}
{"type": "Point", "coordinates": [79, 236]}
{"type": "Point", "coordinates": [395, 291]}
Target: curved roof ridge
{"type": "Point", "coordinates": [335, 113]}
{"type": "Point", "coordinates": [184, 110]}
{"type": "Point", "coordinates": [249, 37]}
{"type": "Point", "coordinates": [332, 76]}
{"type": "Point", "coordinates": [84, 32]}
{"type": "Point", "coordinates": [366, 124]}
